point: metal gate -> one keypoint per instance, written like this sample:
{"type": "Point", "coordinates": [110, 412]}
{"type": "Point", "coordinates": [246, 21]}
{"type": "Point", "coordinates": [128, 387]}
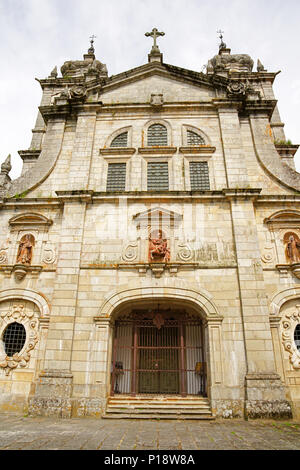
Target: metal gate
{"type": "Point", "coordinates": [159, 355]}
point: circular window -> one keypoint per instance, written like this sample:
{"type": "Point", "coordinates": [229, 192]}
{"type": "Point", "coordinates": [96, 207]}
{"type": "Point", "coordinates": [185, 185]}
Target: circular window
{"type": "Point", "coordinates": [14, 338]}
{"type": "Point", "coordinates": [297, 336]}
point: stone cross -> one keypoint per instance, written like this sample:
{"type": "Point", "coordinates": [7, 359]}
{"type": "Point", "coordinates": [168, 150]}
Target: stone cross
{"type": "Point", "coordinates": [154, 34]}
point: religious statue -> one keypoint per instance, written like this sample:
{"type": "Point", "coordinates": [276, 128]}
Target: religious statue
{"type": "Point", "coordinates": [25, 249]}
{"type": "Point", "coordinates": [158, 247]}
{"type": "Point", "coordinates": [293, 249]}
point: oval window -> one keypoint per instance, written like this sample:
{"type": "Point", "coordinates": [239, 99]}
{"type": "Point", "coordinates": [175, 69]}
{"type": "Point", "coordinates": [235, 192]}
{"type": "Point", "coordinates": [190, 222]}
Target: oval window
{"type": "Point", "coordinates": [14, 338]}
{"type": "Point", "coordinates": [297, 336]}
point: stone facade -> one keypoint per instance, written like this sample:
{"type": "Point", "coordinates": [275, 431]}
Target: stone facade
{"type": "Point", "coordinates": [86, 259]}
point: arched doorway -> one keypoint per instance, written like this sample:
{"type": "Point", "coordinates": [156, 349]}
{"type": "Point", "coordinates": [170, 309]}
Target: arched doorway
{"type": "Point", "coordinates": [158, 349]}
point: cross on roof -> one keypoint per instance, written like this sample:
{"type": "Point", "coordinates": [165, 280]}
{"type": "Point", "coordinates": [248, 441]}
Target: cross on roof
{"type": "Point", "coordinates": [91, 49]}
{"type": "Point", "coordinates": [222, 45]}
{"type": "Point", "coordinates": [155, 34]}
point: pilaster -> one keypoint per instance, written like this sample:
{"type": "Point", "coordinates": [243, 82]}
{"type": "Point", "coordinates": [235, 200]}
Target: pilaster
{"type": "Point", "coordinates": [235, 163]}
{"type": "Point", "coordinates": [56, 379]}
{"type": "Point", "coordinates": [265, 393]}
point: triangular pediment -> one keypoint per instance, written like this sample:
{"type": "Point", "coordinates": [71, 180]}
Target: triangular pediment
{"type": "Point", "coordinates": [157, 78]}
{"type": "Point", "coordinates": [157, 215]}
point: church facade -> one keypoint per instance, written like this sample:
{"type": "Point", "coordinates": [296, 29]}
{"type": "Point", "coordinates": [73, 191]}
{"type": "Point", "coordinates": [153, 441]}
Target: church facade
{"type": "Point", "coordinates": [150, 249]}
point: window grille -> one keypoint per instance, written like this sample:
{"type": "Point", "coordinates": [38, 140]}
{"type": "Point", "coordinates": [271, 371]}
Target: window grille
{"type": "Point", "coordinates": [297, 336]}
{"type": "Point", "coordinates": [14, 338]}
{"type": "Point", "coordinates": [120, 140]}
{"type": "Point", "coordinates": [116, 177]}
{"type": "Point", "coordinates": [194, 139]}
{"type": "Point", "coordinates": [199, 176]}
{"type": "Point", "coordinates": [158, 178]}
{"type": "Point", "coordinates": [157, 135]}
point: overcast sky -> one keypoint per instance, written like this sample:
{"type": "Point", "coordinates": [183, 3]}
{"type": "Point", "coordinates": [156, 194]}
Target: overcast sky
{"type": "Point", "coordinates": [36, 35]}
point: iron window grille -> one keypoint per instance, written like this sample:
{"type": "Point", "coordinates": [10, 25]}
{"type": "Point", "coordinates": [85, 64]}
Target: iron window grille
{"type": "Point", "coordinates": [157, 136]}
{"type": "Point", "coordinates": [194, 139]}
{"type": "Point", "coordinates": [158, 177]}
{"type": "Point", "coordinates": [120, 141]}
{"type": "Point", "coordinates": [199, 176]}
{"type": "Point", "coordinates": [14, 338]}
{"type": "Point", "coordinates": [297, 337]}
{"type": "Point", "coordinates": [116, 177]}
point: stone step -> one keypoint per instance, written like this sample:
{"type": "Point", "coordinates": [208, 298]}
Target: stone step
{"type": "Point", "coordinates": [182, 416]}
{"type": "Point", "coordinates": [169, 406]}
{"type": "Point", "coordinates": [155, 409]}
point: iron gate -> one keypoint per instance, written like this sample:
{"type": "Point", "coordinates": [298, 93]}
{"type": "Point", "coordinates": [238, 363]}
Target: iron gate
{"type": "Point", "coordinates": [159, 355]}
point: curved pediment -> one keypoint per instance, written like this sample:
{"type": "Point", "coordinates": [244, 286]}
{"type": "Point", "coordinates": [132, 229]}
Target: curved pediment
{"type": "Point", "coordinates": [30, 219]}
{"type": "Point", "coordinates": [284, 216]}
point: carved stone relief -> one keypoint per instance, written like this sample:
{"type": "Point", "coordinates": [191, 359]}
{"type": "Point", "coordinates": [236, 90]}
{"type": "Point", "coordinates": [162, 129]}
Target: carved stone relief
{"type": "Point", "coordinates": [158, 247]}
{"type": "Point", "coordinates": [49, 254]}
{"type": "Point", "coordinates": [26, 315]}
{"type": "Point", "coordinates": [289, 322]}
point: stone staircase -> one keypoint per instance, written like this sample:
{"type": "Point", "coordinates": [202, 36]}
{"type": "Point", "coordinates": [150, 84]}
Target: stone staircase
{"type": "Point", "coordinates": [158, 407]}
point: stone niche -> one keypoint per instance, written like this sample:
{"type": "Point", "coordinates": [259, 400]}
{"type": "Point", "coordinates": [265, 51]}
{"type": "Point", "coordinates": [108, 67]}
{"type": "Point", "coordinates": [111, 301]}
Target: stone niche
{"type": "Point", "coordinates": [28, 248]}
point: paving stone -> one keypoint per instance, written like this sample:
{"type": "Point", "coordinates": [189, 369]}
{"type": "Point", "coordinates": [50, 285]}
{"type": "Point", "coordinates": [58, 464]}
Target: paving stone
{"type": "Point", "coordinates": [93, 434]}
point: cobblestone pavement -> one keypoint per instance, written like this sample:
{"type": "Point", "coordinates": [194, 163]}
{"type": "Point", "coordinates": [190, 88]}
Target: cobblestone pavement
{"type": "Point", "coordinates": [23, 433]}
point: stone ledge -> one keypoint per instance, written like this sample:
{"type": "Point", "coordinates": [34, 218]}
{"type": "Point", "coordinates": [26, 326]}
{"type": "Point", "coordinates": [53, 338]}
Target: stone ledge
{"type": "Point", "coordinates": [157, 150]}
{"type": "Point", "coordinates": [117, 151]}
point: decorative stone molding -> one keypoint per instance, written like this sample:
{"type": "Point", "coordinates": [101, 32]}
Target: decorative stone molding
{"type": "Point", "coordinates": [157, 100]}
{"type": "Point", "coordinates": [289, 322]}
{"type": "Point", "coordinates": [30, 322]}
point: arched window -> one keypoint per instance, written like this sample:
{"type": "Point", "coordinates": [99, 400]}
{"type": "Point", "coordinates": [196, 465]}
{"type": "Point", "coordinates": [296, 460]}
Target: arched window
{"type": "Point", "coordinates": [194, 139]}
{"type": "Point", "coordinates": [14, 338]}
{"type": "Point", "coordinates": [297, 336]}
{"type": "Point", "coordinates": [120, 141]}
{"type": "Point", "coordinates": [157, 135]}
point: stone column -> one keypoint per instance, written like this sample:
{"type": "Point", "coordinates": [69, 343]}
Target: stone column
{"type": "Point", "coordinates": [53, 392]}
{"type": "Point", "coordinates": [265, 393]}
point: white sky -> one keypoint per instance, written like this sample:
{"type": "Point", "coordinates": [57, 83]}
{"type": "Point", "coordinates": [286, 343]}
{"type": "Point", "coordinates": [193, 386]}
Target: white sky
{"type": "Point", "coordinates": [36, 35]}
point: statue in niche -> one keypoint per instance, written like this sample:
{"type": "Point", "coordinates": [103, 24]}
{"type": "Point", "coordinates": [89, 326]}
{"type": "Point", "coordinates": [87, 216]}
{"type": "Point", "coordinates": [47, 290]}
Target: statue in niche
{"type": "Point", "coordinates": [25, 250]}
{"type": "Point", "coordinates": [158, 247]}
{"type": "Point", "coordinates": [292, 247]}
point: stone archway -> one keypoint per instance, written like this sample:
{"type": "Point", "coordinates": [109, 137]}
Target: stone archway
{"type": "Point", "coordinates": [195, 303]}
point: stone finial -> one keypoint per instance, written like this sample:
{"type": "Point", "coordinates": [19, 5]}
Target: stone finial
{"type": "Point", "coordinates": [6, 166]}
{"type": "Point", "coordinates": [54, 73]}
{"type": "Point", "coordinates": [260, 67]}
{"type": "Point", "coordinates": [209, 68]}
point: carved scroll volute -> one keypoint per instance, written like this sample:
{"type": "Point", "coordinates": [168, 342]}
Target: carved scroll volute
{"type": "Point", "coordinates": [130, 252]}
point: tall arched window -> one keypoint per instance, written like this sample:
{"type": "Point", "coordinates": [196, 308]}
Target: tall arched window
{"type": "Point", "coordinates": [120, 141]}
{"type": "Point", "coordinates": [157, 135]}
{"type": "Point", "coordinates": [194, 139]}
